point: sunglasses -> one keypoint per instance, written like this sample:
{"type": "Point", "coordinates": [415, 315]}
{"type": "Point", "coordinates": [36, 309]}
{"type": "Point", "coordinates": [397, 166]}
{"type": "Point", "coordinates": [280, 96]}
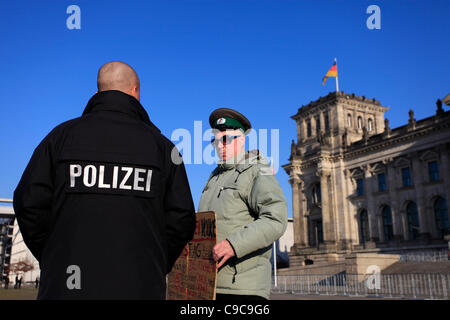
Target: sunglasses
{"type": "Point", "coordinates": [226, 139]}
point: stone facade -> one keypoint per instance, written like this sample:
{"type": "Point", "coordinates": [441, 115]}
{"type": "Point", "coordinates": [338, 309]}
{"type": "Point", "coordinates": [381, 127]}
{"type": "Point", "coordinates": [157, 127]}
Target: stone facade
{"type": "Point", "coordinates": [359, 186]}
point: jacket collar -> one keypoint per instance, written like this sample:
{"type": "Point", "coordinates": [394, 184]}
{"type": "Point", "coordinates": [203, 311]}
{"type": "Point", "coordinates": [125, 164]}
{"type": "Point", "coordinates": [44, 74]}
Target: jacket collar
{"type": "Point", "coordinates": [231, 163]}
{"type": "Point", "coordinates": [114, 100]}
{"type": "Point", "coordinates": [251, 157]}
{"type": "Point", "coordinates": [243, 161]}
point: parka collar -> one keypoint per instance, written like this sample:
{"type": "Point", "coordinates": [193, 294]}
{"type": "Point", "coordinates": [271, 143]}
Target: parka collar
{"type": "Point", "coordinates": [231, 163]}
{"type": "Point", "coordinates": [243, 161]}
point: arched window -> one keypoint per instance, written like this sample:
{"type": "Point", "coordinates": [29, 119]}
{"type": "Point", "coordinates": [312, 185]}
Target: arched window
{"type": "Point", "coordinates": [359, 123]}
{"type": "Point", "coordinates": [319, 228]}
{"type": "Point", "coordinates": [349, 120]}
{"type": "Point", "coordinates": [387, 223]}
{"type": "Point", "coordinates": [363, 226]}
{"type": "Point", "coordinates": [327, 121]}
{"type": "Point", "coordinates": [369, 125]}
{"type": "Point", "coordinates": [413, 220]}
{"type": "Point", "coordinates": [441, 216]}
{"type": "Point", "coordinates": [316, 194]}
{"type": "Point", "coordinates": [317, 125]}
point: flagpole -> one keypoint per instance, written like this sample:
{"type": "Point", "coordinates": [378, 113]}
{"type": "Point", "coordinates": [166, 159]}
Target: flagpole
{"type": "Point", "coordinates": [337, 81]}
{"type": "Point", "coordinates": [275, 263]}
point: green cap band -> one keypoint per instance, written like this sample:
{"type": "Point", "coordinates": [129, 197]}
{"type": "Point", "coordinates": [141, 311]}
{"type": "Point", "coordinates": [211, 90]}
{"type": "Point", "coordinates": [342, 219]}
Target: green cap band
{"type": "Point", "coordinates": [229, 122]}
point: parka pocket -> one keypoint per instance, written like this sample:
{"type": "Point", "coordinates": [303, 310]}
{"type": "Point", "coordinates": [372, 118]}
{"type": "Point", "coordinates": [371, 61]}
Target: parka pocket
{"type": "Point", "coordinates": [251, 261]}
{"type": "Point", "coordinates": [247, 263]}
{"type": "Point", "coordinates": [221, 189]}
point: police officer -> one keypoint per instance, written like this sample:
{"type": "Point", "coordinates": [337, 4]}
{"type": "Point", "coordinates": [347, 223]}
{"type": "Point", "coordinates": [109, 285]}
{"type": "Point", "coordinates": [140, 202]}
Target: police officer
{"type": "Point", "coordinates": [101, 204]}
{"type": "Point", "coordinates": [250, 208]}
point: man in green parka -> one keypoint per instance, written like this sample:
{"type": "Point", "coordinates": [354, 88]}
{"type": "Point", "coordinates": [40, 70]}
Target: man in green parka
{"type": "Point", "coordinates": [250, 208]}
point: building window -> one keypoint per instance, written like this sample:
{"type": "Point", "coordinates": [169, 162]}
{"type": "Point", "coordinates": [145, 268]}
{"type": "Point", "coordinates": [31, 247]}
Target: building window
{"type": "Point", "coordinates": [441, 217]}
{"type": "Point", "coordinates": [6, 231]}
{"type": "Point", "coordinates": [327, 121]}
{"type": "Point", "coordinates": [318, 125]}
{"type": "Point", "coordinates": [363, 226]}
{"type": "Point", "coordinates": [370, 124]}
{"type": "Point", "coordinates": [349, 120]}
{"type": "Point", "coordinates": [308, 128]}
{"type": "Point", "coordinates": [359, 123]}
{"type": "Point", "coordinates": [316, 195]}
{"type": "Point", "coordinates": [319, 230]}
{"type": "Point", "coordinates": [406, 177]}
{"type": "Point", "coordinates": [387, 223]}
{"type": "Point", "coordinates": [359, 187]}
{"type": "Point", "coordinates": [413, 220]}
{"type": "Point", "coordinates": [381, 182]}
{"type": "Point", "coordinates": [433, 171]}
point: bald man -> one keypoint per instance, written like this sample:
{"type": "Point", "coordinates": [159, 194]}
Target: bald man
{"type": "Point", "coordinates": [100, 204]}
{"type": "Point", "coordinates": [117, 75]}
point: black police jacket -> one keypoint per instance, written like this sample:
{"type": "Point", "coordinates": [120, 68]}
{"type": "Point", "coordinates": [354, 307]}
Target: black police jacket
{"type": "Point", "coordinates": [103, 207]}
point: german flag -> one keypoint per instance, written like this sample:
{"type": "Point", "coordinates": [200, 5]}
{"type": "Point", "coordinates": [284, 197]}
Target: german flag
{"type": "Point", "coordinates": [331, 73]}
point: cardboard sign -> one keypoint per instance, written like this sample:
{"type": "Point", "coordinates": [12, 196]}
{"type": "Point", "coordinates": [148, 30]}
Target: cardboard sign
{"type": "Point", "coordinates": [194, 274]}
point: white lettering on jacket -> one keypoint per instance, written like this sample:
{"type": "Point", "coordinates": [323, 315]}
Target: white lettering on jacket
{"type": "Point", "coordinates": [138, 179]}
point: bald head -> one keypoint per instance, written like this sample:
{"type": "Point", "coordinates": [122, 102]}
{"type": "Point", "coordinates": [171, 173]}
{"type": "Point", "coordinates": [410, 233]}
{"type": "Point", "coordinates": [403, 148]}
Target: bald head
{"type": "Point", "coordinates": [117, 75]}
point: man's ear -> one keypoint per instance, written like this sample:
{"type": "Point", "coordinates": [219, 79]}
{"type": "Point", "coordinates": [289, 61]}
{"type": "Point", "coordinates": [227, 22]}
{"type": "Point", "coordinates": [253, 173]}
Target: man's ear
{"type": "Point", "coordinates": [134, 89]}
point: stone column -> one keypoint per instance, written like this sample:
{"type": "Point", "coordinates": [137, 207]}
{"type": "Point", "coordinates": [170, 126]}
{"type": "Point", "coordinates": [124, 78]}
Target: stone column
{"type": "Point", "coordinates": [368, 190]}
{"type": "Point", "coordinates": [303, 130]}
{"type": "Point", "coordinates": [420, 195]}
{"type": "Point", "coordinates": [327, 223]}
{"type": "Point", "coordinates": [313, 126]}
{"type": "Point", "coordinates": [423, 223]}
{"type": "Point", "coordinates": [379, 218]}
{"type": "Point", "coordinates": [342, 215]}
{"type": "Point", "coordinates": [432, 220]}
{"type": "Point", "coordinates": [347, 208]}
{"type": "Point", "coordinates": [322, 121]}
{"type": "Point", "coordinates": [396, 219]}
{"type": "Point", "coordinates": [303, 216]}
{"type": "Point", "coordinates": [308, 232]}
{"type": "Point", "coordinates": [300, 133]}
{"type": "Point", "coordinates": [405, 225]}
{"type": "Point", "coordinates": [445, 175]}
{"type": "Point", "coordinates": [397, 228]}
{"type": "Point", "coordinates": [296, 211]}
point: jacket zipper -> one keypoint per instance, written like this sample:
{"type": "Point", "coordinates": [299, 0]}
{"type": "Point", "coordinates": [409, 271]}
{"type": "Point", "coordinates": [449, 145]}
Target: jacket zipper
{"type": "Point", "coordinates": [223, 188]}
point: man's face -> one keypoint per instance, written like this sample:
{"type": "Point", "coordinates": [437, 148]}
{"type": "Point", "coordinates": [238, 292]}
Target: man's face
{"type": "Point", "coordinates": [229, 143]}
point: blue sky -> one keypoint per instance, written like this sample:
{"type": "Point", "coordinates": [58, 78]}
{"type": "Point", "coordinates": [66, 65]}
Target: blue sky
{"type": "Point", "coordinates": [263, 58]}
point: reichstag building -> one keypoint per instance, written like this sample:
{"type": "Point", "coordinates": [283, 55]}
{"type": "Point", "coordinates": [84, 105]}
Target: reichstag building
{"type": "Point", "coordinates": [359, 185]}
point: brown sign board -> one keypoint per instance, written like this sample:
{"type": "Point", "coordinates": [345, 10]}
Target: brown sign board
{"type": "Point", "coordinates": [194, 274]}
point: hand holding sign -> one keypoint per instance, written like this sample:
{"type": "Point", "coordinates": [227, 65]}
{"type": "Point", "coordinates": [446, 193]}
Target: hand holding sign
{"type": "Point", "coordinates": [222, 250]}
{"type": "Point", "coordinates": [194, 274]}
